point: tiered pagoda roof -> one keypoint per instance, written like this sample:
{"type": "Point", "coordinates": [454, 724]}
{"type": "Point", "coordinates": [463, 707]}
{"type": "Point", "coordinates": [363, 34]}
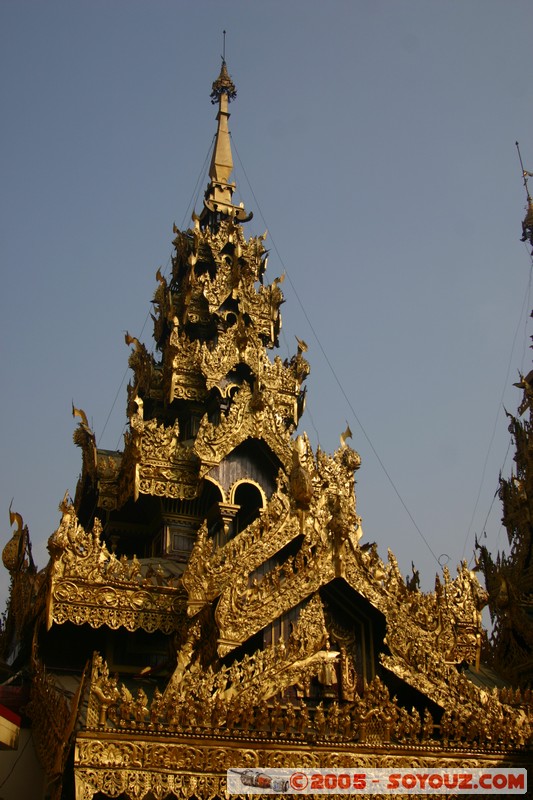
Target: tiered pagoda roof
{"type": "Point", "coordinates": [209, 592]}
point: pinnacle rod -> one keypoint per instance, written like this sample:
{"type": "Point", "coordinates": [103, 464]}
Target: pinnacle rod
{"type": "Point", "coordinates": [524, 173]}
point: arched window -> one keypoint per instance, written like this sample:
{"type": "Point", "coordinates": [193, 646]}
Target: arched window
{"type": "Point", "coordinates": [251, 500]}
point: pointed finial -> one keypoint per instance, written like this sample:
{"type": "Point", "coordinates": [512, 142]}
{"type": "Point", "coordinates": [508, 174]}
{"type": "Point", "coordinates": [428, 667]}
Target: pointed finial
{"type": "Point", "coordinates": [525, 173]}
{"type": "Point", "coordinates": [224, 46]}
{"type": "Point", "coordinates": [527, 224]}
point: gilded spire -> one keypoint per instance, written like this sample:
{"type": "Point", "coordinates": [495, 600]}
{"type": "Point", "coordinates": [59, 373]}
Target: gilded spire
{"type": "Point", "coordinates": [219, 193]}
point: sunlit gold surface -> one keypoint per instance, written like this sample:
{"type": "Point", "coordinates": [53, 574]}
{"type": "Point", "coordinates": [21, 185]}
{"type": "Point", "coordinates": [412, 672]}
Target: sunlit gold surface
{"type": "Point", "coordinates": [296, 659]}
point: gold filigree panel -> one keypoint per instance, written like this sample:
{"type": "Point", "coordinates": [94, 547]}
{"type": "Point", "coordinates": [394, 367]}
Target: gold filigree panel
{"type": "Point", "coordinates": [187, 769]}
{"type": "Point", "coordinates": [243, 610]}
{"type": "Point", "coordinates": [116, 606]}
{"type": "Point", "coordinates": [88, 584]}
{"type": "Point", "coordinates": [209, 571]}
{"type": "Point", "coordinates": [214, 442]}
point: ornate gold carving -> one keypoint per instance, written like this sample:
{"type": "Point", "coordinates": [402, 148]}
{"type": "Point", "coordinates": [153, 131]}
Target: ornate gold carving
{"type": "Point", "coordinates": [183, 378]}
{"type": "Point", "coordinates": [160, 464]}
{"type": "Point", "coordinates": [209, 722]}
{"type": "Point", "coordinates": [209, 571]}
{"type": "Point", "coordinates": [143, 366]}
{"type": "Point", "coordinates": [323, 506]}
{"type": "Point", "coordinates": [88, 584]}
{"type": "Point", "coordinates": [242, 610]}
{"type": "Point", "coordinates": [214, 442]}
{"type": "Point", "coordinates": [446, 623]}
{"type": "Point", "coordinates": [300, 479]}
{"type": "Point", "coordinates": [246, 689]}
{"type": "Point", "coordinates": [24, 599]}
{"type": "Point", "coordinates": [108, 471]}
{"type": "Point", "coordinates": [246, 699]}
{"type": "Point", "coordinates": [16, 555]}
{"type": "Point", "coordinates": [167, 468]}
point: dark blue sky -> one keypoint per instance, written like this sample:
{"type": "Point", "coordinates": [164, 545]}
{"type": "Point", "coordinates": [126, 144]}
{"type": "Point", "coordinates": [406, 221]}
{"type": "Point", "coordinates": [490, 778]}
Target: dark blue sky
{"type": "Point", "coordinates": [375, 141]}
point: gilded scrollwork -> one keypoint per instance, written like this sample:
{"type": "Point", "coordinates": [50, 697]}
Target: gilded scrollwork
{"type": "Point", "coordinates": [182, 376]}
{"type": "Point", "coordinates": [89, 584]}
{"type": "Point", "coordinates": [444, 625]}
{"type": "Point", "coordinates": [214, 442]}
{"type": "Point", "coordinates": [160, 464]}
{"type": "Point", "coordinates": [234, 702]}
{"type": "Point", "coordinates": [243, 609]}
{"type": "Point", "coordinates": [108, 471]}
{"type": "Point", "coordinates": [210, 570]}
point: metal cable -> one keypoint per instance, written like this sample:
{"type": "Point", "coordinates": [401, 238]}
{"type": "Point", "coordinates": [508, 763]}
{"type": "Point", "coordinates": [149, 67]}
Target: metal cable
{"type": "Point", "coordinates": [335, 376]}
